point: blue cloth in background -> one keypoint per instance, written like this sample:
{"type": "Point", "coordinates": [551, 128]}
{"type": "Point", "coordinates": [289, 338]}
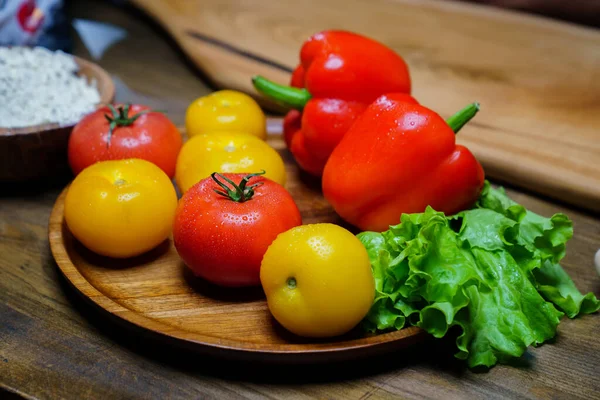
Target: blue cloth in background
{"type": "Point", "coordinates": [58, 35]}
{"type": "Point", "coordinates": [35, 23]}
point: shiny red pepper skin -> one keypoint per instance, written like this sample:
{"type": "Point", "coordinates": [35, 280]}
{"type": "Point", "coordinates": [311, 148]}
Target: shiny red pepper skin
{"type": "Point", "coordinates": [343, 73]}
{"type": "Point", "coordinates": [399, 157]}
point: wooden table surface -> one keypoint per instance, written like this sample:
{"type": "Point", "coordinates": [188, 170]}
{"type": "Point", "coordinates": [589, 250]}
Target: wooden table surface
{"type": "Point", "coordinates": [53, 345]}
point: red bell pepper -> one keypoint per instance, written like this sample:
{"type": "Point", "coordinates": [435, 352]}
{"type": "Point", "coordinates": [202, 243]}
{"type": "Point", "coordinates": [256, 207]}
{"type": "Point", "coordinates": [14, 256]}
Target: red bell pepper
{"type": "Point", "coordinates": [339, 75]}
{"type": "Point", "coordinates": [399, 157]}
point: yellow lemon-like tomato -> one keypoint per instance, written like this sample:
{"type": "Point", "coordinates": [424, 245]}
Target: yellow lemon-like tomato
{"type": "Point", "coordinates": [318, 280]}
{"type": "Point", "coordinates": [225, 110]}
{"type": "Point", "coordinates": [226, 152]}
{"type": "Point", "coordinates": [121, 208]}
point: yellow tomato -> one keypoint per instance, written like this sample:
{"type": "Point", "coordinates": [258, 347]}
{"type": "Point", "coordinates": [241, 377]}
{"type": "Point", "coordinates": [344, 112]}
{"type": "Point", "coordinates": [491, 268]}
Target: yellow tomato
{"type": "Point", "coordinates": [318, 280]}
{"type": "Point", "coordinates": [225, 110]}
{"type": "Point", "coordinates": [226, 152]}
{"type": "Point", "coordinates": [121, 208]}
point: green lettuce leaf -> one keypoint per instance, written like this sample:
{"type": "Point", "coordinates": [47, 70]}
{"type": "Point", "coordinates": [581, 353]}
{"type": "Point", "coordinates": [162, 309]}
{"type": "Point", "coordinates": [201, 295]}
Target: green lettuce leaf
{"type": "Point", "coordinates": [546, 238]}
{"type": "Point", "coordinates": [492, 271]}
{"type": "Point", "coordinates": [556, 286]}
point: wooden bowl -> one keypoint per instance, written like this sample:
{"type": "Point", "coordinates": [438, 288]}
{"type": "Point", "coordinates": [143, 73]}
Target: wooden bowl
{"type": "Point", "coordinates": [40, 151]}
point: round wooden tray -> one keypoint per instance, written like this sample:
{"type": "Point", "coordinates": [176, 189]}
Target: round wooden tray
{"type": "Point", "coordinates": [156, 292]}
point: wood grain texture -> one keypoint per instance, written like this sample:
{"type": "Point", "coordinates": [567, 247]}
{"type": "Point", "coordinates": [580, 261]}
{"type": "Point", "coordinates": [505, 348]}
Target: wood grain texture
{"type": "Point", "coordinates": [156, 291]}
{"type": "Point", "coordinates": [54, 345]}
{"type": "Point", "coordinates": [40, 151]}
{"type": "Point", "coordinates": [537, 80]}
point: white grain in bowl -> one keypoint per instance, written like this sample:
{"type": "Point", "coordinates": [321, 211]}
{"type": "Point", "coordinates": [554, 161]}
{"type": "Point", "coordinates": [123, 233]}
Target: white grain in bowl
{"type": "Point", "coordinates": [39, 86]}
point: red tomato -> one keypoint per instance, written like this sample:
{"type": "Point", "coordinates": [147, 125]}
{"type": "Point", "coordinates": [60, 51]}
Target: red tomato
{"type": "Point", "coordinates": [137, 132]}
{"type": "Point", "coordinates": [223, 237]}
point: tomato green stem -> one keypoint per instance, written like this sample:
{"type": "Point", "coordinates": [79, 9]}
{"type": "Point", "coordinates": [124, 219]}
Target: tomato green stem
{"type": "Point", "coordinates": [237, 192]}
{"type": "Point", "coordinates": [460, 119]}
{"type": "Point", "coordinates": [120, 117]}
{"type": "Point", "coordinates": [285, 95]}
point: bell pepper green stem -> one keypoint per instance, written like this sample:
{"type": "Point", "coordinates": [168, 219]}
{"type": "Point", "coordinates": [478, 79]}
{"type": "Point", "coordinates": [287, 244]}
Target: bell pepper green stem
{"type": "Point", "coordinates": [285, 95]}
{"type": "Point", "coordinates": [458, 120]}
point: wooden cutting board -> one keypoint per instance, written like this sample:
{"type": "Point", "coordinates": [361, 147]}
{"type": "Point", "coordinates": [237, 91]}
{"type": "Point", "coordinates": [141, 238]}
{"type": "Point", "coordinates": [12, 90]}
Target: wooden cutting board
{"type": "Point", "coordinates": [538, 81]}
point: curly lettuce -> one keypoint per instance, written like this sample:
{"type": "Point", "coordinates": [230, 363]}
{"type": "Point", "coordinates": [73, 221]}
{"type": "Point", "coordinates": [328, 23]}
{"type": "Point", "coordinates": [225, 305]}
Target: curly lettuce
{"type": "Point", "coordinates": [493, 271]}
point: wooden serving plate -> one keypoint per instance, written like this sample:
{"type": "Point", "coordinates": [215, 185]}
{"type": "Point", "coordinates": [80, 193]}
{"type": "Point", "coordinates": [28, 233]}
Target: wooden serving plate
{"type": "Point", "coordinates": [157, 293]}
{"type": "Point", "coordinates": [40, 151]}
